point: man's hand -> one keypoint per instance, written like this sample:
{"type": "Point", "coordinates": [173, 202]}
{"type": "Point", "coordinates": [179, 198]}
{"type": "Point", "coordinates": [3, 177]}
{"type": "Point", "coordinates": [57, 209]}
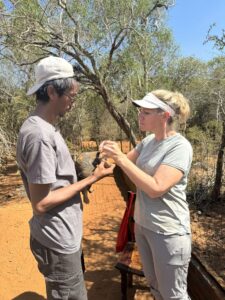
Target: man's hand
{"type": "Point", "coordinates": [103, 169]}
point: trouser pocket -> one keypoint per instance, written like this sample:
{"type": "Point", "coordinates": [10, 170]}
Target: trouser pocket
{"type": "Point", "coordinates": [63, 272]}
{"type": "Point", "coordinates": [179, 250]}
{"type": "Point", "coordinates": [40, 254]}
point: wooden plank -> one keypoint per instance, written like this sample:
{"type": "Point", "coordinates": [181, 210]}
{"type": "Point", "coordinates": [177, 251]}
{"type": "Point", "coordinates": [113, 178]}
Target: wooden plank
{"type": "Point", "coordinates": [129, 260]}
{"type": "Point", "coordinates": [201, 284]}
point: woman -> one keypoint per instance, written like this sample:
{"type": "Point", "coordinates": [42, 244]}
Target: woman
{"type": "Point", "coordinates": [159, 167]}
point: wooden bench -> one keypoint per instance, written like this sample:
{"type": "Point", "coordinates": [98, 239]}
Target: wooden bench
{"type": "Point", "coordinates": [129, 263]}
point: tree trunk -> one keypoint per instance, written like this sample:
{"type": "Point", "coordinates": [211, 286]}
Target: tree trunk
{"type": "Point", "coordinates": [216, 192]}
{"type": "Point", "coordinates": [121, 121]}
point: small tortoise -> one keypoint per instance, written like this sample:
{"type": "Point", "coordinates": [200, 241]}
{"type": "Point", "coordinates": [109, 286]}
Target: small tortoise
{"type": "Point", "coordinates": [85, 164]}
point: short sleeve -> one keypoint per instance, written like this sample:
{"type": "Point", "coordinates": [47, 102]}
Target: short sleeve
{"type": "Point", "coordinates": [179, 157]}
{"type": "Point", "coordinates": [41, 163]}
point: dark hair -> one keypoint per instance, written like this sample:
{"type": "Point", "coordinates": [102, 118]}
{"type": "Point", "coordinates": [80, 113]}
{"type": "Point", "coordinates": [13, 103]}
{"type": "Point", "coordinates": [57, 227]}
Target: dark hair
{"type": "Point", "coordinates": [60, 85]}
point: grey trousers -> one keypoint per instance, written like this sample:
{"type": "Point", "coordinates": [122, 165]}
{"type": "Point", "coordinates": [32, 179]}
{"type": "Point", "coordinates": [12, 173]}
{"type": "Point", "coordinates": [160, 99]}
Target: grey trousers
{"type": "Point", "coordinates": [165, 262]}
{"type": "Point", "coordinates": [63, 273]}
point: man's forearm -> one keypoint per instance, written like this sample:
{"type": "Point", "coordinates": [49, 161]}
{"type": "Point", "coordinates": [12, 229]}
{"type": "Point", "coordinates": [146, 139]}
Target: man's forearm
{"type": "Point", "coordinates": [61, 195]}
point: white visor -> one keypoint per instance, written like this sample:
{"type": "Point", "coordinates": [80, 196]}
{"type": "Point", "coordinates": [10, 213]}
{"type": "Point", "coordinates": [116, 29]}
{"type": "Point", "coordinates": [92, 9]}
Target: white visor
{"type": "Point", "coordinates": [152, 102]}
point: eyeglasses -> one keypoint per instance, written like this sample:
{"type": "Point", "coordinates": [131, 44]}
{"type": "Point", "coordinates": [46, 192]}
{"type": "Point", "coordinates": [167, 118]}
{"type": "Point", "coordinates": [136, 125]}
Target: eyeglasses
{"type": "Point", "coordinates": [72, 98]}
{"type": "Point", "coordinates": [147, 113]}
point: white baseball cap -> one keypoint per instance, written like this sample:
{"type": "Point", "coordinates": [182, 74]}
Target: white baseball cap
{"type": "Point", "coordinates": [50, 68]}
{"type": "Point", "coordinates": [152, 102]}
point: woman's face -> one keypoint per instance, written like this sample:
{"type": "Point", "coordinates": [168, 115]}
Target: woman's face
{"type": "Point", "coordinates": [148, 119]}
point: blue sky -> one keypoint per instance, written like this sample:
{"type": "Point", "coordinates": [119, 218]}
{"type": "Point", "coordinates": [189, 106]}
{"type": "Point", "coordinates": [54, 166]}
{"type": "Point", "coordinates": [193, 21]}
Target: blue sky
{"type": "Point", "coordinates": [190, 21]}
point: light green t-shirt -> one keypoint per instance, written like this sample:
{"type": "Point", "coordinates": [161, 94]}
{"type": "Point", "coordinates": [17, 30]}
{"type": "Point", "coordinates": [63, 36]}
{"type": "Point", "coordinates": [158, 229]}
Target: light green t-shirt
{"type": "Point", "coordinates": [168, 214]}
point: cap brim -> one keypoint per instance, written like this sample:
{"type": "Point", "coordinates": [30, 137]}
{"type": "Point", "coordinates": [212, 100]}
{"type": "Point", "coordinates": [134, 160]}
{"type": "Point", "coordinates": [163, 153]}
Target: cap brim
{"type": "Point", "coordinates": [34, 89]}
{"type": "Point", "coordinates": [144, 104]}
{"type": "Point", "coordinates": [36, 86]}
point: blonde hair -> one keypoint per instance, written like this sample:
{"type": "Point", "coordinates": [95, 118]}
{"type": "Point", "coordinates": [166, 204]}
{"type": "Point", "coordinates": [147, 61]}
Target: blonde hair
{"type": "Point", "coordinates": [178, 102]}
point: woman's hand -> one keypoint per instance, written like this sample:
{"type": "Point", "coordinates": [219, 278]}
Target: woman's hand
{"type": "Point", "coordinates": [110, 149]}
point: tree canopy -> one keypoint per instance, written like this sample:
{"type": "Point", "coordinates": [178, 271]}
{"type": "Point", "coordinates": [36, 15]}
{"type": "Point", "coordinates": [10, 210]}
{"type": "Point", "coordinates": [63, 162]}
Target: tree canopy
{"type": "Point", "coordinates": [104, 40]}
{"type": "Point", "coordinates": [120, 50]}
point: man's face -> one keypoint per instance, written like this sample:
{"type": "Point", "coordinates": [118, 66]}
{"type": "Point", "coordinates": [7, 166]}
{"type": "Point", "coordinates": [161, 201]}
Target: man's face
{"type": "Point", "coordinates": [67, 99]}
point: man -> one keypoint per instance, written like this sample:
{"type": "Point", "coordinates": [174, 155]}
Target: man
{"type": "Point", "coordinates": [50, 181]}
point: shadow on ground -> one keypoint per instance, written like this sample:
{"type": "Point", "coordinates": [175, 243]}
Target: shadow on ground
{"type": "Point", "coordinates": [29, 296]}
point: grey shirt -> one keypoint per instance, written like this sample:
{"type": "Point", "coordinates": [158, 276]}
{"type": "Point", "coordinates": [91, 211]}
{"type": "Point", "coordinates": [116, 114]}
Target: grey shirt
{"type": "Point", "coordinates": [44, 158]}
{"type": "Point", "coordinates": [168, 214]}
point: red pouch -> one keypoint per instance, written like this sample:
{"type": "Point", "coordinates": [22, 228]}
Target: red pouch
{"type": "Point", "coordinates": [126, 230]}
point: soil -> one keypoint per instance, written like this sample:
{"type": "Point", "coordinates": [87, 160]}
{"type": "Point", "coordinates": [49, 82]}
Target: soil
{"type": "Point", "coordinates": [20, 279]}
